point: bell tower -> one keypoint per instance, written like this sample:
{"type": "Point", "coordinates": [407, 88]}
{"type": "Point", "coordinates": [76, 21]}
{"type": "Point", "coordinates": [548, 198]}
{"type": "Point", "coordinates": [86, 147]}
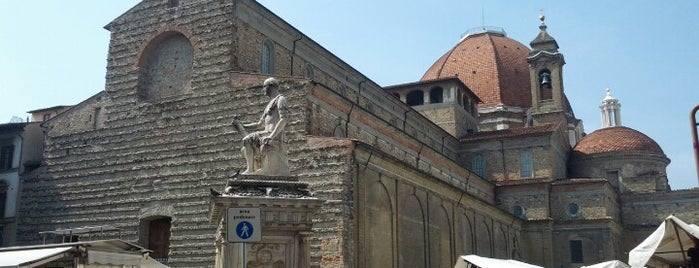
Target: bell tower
{"type": "Point", "coordinates": [546, 78]}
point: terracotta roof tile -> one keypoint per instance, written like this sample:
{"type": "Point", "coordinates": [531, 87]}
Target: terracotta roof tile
{"type": "Point", "coordinates": [617, 139]}
{"type": "Point", "coordinates": [491, 65]}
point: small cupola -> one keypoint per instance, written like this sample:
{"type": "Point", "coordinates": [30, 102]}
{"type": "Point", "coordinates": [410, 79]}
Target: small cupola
{"type": "Point", "coordinates": [543, 41]}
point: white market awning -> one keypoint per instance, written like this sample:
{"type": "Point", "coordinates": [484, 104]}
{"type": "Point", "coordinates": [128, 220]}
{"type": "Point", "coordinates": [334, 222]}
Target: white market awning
{"type": "Point", "coordinates": [483, 262]}
{"type": "Point", "coordinates": [666, 245]}
{"type": "Point", "coordinates": [31, 257]}
{"type": "Point", "coordinates": [609, 264]}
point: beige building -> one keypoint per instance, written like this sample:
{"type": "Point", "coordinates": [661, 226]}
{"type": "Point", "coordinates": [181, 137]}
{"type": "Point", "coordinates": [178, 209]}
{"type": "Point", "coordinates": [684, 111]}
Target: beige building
{"type": "Point", "coordinates": [483, 155]}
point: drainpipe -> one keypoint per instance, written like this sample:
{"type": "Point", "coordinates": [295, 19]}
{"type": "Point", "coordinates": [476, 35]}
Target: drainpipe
{"type": "Point", "coordinates": [504, 165]}
{"type": "Point", "coordinates": [293, 52]}
{"type": "Point", "coordinates": [359, 87]}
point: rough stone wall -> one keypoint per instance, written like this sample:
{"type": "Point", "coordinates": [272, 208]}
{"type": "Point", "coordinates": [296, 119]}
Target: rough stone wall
{"type": "Point", "coordinates": [87, 117]}
{"type": "Point", "coordinates": [643, 212]}
{"type": "Point", "coordinates": [502, 157]}
{"type": "Point", "coordinates": [255, 25]}
{"type": "Point", "coordinates": [207, 26]}
{"type": "Point", "coordinates": [600, 242]}
{"type": "Point", "coordinates": [329, 169]}
{"type": "Point", "coordinates": [596, 224]}
{"type": "Point", "coordinates": [652, 208]}
{"type": "Point", "coordinates": [595, 201]}
{"type": "Point", "coordinates": [331, 113]}
{"type": "Point", "coordinates": [443, 115]}
{"type": "Point", "coordinates": [162, 164]}
{"type": "Point", "coordinates": [533, 198]}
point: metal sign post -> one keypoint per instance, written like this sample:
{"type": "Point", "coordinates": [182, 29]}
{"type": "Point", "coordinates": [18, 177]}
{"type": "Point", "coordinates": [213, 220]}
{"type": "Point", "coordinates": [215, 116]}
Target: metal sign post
{"type": "Point", "coordinates": [695, 138]}
{"type": "Point", "coordinates": [243, 227]}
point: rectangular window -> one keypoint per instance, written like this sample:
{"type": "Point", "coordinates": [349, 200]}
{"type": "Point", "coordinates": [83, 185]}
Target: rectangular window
{"type": "Point", "coordinates": [478, 165]}
{"type": "Point", "coordinates": [526, 169]}
{"type": "Point", "coordinates": [6, 154]}
{"type": "Point", "coordinates": [576, 251]}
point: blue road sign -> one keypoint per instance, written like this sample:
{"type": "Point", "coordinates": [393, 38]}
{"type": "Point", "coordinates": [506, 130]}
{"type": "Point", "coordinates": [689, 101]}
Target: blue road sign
{"type": "Point", "coordinates": [243, 225]}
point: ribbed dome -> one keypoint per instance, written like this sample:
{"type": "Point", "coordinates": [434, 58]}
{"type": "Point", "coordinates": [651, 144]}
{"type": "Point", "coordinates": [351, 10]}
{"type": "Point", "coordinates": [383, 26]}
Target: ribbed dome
{"type": "Point", "coordinates": [617, 139]}
{"type": "Point", "coordinates": [491, 65]}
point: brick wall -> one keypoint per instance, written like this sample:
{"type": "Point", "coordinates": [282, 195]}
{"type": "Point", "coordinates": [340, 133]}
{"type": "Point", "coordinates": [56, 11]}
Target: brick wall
{"type": "Point", "coordinates": [503, 155]}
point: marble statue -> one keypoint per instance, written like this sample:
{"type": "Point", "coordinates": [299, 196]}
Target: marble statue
{"type": "Point", "coordinates": [264, 150]}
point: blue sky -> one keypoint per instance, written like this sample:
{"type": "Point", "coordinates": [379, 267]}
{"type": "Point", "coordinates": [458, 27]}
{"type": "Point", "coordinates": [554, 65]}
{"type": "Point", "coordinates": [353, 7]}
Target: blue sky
{"type": "Point", "coordinates": [54, 52]}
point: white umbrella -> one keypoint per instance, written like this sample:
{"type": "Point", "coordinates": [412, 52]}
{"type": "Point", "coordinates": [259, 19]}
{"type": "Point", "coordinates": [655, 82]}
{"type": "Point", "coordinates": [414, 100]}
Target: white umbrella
{"type": "Point", "coordinates": [666, 245]}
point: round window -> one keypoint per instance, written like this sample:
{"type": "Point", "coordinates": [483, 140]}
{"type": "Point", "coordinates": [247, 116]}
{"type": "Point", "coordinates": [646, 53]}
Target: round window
{"type": "Point", "coordinates": [573, 210]}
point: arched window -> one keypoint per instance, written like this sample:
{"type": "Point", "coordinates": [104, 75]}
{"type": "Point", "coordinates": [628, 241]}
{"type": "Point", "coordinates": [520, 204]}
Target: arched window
{"type": "Point", "coordinates": [267, 65]}
{"type": "Point", "coordinates": [166, 66]}
{"type": "Point", "coordinates": [415, 97]}
{"type": "Point", "coordinates": [436, 95]}
{"type": "Point", "coordinates": [545, 85]}
{"type": "Point", "coordinates": [155, 235]}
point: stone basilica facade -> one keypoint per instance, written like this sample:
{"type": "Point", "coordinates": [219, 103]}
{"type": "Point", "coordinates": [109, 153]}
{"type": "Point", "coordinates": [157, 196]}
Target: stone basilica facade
{"type": "Point", "coordinates": [483, 155]}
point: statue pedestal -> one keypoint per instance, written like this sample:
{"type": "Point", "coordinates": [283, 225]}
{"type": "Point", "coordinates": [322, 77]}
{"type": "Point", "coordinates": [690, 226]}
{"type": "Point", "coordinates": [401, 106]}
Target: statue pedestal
{"type": "Point", "coordinates": [286, 213]}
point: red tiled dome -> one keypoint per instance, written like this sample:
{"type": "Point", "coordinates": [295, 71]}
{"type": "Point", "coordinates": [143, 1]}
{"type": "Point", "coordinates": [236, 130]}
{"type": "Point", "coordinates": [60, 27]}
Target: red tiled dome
{"type": "Point", "coordinates": [617, 139]}
{"type": "Point", "coordinates": [493, 66]}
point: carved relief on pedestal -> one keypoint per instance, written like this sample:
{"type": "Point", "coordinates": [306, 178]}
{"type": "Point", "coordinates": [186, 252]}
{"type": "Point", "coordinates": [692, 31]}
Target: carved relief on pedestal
{"type": "Point", "coordinates": [267, 255]}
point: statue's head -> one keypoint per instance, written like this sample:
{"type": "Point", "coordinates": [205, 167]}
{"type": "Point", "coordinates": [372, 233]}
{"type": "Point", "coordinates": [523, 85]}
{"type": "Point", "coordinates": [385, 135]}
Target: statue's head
{"type": "Point", "coordinates": [270, 84]}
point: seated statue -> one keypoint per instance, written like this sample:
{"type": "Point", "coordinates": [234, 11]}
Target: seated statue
{"type": "Point", "coordinates": [264, 150]}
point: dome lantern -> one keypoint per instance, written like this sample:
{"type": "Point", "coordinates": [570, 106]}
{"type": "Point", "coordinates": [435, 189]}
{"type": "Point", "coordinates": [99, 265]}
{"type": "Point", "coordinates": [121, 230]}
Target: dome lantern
{"type": "Point", "coordinates": [611, 111]}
